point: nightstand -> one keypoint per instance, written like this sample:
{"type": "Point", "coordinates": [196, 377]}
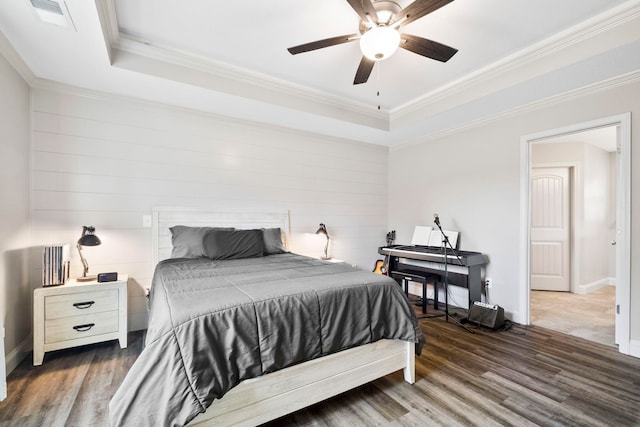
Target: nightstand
{"type": "Point", "coordinates": [79, 313]}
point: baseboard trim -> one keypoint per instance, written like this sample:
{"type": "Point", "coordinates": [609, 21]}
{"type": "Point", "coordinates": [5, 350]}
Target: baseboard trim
{"type": "Point", "coordinates": [18, 354]}
{"type": "Point", "coordinates": [594, 286]}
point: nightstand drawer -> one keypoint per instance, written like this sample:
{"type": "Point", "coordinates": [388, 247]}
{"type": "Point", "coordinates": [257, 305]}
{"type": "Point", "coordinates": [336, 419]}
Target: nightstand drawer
{"type": "Point", "coordinates": [70, 328]}
{"type": "Point", "coordinates": [82, 304]}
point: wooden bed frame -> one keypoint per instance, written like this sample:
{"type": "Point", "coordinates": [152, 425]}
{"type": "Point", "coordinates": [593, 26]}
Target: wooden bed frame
{"type": "Point", "coordinates": [273, 395]}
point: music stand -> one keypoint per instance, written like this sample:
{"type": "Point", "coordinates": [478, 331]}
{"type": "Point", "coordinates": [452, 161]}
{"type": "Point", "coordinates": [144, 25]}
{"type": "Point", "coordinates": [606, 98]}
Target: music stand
{"type": "Point", "coordinates": [445, 243]}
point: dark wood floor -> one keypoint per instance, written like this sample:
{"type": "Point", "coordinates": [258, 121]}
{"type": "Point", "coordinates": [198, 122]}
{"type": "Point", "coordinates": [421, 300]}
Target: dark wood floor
{"type": "Point", "coordinates": [72, 388]}
{"type": "Point", "coordinates": [520, 377]}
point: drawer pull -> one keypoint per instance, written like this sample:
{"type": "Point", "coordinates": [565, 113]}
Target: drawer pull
{"type": "Point", "coordinates": [83, 305]}
{"type": "Point", "coordinates": [84, 328]}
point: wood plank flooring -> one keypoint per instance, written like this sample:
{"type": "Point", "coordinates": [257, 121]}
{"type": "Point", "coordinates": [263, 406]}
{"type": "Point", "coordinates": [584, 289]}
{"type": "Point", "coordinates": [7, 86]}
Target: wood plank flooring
{"type": "Point", "coordinates": [72, 388]}
{"type": "Point", "coordinates": [520, 377]}
{"type": "Point", "coordinates": [591, 316]}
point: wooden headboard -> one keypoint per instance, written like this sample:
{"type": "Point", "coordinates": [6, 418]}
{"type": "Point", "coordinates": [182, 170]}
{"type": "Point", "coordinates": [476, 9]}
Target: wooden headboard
{"type": "Point", "coordinates": [166, 217]}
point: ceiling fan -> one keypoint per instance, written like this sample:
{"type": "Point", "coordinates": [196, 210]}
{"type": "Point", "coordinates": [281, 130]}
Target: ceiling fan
{"type": "Point", "coordinates": [379, 35]}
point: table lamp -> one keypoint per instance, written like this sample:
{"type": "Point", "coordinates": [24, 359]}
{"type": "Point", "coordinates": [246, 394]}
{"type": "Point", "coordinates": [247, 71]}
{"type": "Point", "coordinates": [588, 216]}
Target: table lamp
{"type": "Point", "coordinates": [88, 238]}
{"type": "Point", "coordinates": [322, 229]}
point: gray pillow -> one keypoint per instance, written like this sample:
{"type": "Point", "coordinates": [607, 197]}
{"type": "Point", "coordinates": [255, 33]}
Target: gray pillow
{"type": "Point", "coordinates": [273, 241]}
{"type": "Point", "coordinates": [219, 244]}
{"type": "Point", "coordinates": [187, 241]}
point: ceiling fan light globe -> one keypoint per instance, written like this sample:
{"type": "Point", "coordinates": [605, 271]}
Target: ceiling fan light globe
{"type": "Point", "coordinates": [379, 43]}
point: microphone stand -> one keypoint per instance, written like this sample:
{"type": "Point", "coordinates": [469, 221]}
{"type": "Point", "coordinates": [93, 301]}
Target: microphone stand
{"type": "Point", "coordinates": [445, 243]}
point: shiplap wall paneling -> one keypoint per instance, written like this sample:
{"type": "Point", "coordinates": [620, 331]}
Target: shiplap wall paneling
{"type": "Point", "coordinates": [107, 161]}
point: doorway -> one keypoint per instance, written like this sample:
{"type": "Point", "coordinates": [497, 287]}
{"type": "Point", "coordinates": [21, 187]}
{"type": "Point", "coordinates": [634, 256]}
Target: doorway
{"type": "Point", "coordinates": [573, 213]}
{"type": "Point", "coordinates": [581, 278]}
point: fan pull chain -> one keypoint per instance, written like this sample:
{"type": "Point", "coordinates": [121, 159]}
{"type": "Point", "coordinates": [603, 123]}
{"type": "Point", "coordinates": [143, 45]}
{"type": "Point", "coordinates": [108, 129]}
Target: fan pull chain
{"type": "Point", "coordinates": [378, 84]}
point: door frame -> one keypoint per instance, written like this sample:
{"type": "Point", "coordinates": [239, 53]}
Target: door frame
{"type": "Point", "coordinates": [3, 371]}
{"type": "Point", "coordinates": [623, 218]}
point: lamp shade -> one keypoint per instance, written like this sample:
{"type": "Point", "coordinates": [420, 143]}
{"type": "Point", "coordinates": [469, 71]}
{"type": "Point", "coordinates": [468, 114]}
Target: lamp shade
{"type": "Point", "coordinates": [379, 42]}
{"type": "Point", "coordinates": [322, 229]}
{"type": "Point", "coordinates": [88, 237]}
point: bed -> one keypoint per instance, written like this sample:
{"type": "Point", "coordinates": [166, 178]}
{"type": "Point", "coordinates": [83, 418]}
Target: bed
{"type": "Point", "coordinates": [294, 330]}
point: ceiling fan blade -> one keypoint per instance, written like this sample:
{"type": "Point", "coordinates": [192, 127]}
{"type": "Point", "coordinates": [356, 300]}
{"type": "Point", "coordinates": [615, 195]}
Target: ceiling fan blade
{"type": "Point", "coordinates": [364, 70]}
{"type": "Point", "coordinates": [364, 8]}
{"type": "Point", "coordinates": [428, 48]}
{"type": "Point", "coordinates": [418, 9]}
{"type": "Point", "coordinates": [319, 44]}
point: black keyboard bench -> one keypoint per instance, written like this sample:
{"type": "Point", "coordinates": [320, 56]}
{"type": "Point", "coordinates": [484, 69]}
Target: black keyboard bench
{"type": "Point", "coordinates": [404, 276]}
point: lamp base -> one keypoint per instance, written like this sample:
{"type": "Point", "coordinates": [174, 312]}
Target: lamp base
{"type": "Point", "coordinates": [86, 279]}
{"type": "Point", "coordinates": [325, 258]}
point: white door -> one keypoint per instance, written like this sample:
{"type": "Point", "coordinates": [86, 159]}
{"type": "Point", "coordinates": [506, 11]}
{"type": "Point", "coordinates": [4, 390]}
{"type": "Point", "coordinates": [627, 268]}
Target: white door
{"type": "Point", "coordinates": [550, 228]}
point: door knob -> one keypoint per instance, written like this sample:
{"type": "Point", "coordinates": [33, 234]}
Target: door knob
{"type": "Point", "coordinates": [613, 243]}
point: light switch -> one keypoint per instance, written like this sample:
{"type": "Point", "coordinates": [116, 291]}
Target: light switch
{"type": "Point", "coordinates": [146, 221]}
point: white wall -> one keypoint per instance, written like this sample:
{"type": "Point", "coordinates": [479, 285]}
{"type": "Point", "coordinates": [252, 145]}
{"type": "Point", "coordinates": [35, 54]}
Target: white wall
{"type": "Point", "coordinates": [472, 178]}
{"type": "Point", "coordinates": [468, 180]}
{"type": "Point", "coordinates": [596, 238]}
{"type": "Point", "coordinates": [15, 291]}
{"type": "Point", "coordinates": [107, 161]}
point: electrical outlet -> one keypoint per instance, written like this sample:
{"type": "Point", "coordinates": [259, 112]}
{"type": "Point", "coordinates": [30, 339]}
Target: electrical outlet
{"type": "Point", "coordinates": [487, 283]}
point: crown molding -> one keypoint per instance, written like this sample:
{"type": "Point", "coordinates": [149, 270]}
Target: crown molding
{"type": "Point", "coordinates": [592, 89]}
{"type": "Point", "coordinates": [109, 23]}
{"type": "Point", "coordinates": [203, 72]}
{"type": "Point", "coordinates": [619, 25]}
{"type": "Point", "coordinates": [572, 45]}
{"type": "Point", "coordinates": [135, 54]}
{"type": "Point", "coordinates": [169, 65]}
{"type": "Point", "coordinates": [243, 76]}
{"type": "Point", "coordinates": [159, 107]}
{"type": "Point", "coordinates": [7, 50]}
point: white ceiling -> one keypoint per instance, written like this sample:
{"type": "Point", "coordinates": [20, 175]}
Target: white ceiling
{"type": "Point", "coordinates": [255, 34]}
{"type": "Point", "coordinates": [230, 58]}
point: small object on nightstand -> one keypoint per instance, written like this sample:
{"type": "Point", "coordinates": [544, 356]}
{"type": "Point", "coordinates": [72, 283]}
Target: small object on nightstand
{"type": "Point", "coordinates": [322, 229]}
{"type": "Point", "coordinates": [107, 277]}
{"type": "Point", "coordinates": [79, 313]}
{"type": "Point", "coordinates": [55, 264]}
{"type": "Point", "coordinates": [88, 238]}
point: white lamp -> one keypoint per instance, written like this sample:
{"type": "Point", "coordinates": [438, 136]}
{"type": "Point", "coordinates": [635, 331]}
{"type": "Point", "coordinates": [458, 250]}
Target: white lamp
{"type": "Point", "coordinates": [322, 229]}
{"type": "Point", "coordinates": [379, 42]}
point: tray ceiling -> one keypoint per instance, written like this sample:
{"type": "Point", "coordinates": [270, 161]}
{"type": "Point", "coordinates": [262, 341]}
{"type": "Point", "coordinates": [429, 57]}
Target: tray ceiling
{"type": "Point", "coordinates": [230, 58]}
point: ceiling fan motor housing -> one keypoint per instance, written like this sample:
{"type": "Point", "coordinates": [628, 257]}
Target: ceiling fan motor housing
{"type": "Point", "coordinates": [387, 11]}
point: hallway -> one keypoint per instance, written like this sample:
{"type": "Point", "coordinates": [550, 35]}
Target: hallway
{"type": "Point", "coordinates": [589, 316]}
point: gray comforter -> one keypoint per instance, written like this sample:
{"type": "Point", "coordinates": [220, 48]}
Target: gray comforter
{"type": "Point", "coordinates": [213, 324]}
